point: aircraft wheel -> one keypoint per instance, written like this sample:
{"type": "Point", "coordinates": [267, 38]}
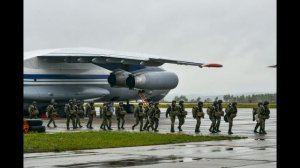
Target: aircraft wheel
{"type": "Point", "coordinates": [37, 128]}
{"type": "Point", "coordinates": [35, 122]}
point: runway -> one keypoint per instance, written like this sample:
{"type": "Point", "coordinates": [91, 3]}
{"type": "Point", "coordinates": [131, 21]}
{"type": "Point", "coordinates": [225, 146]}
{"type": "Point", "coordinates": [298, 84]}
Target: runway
{"type": "Point", "coordinates": [255, 151]}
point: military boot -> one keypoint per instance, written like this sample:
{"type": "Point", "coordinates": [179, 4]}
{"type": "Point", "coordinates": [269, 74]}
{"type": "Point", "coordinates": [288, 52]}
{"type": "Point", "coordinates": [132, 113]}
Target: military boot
{"type": "Point", "coordinates": [264, 132]}
{"type": "Point", "coordinates": [211, 129]}
{"type": "Point", "coordinates": [197, 130]}
{"type": "Point", "coordinates": [179, 127]}
{"type": "Point", "coordinates": [255, 129]}
{"type": "Point", "coordinates": [172, 130]}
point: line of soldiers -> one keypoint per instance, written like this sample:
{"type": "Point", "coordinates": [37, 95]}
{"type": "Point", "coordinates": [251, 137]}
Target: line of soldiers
{"type": "Point", "coordinates": [214, 112]}
{"type": "Point", "coordinates": [151, 114]}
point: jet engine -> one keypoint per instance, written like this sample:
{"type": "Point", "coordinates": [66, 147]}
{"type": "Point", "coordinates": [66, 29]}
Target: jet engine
{"type": "Point", "coordinates": [118, 78]}
{"type": "Point", "coordinates": [159, 80]}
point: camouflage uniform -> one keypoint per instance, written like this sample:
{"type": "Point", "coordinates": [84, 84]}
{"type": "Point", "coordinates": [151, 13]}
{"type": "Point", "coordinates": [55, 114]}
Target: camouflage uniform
{"type": "Point", "coordinates": [79, 113]}
{"type": "Point", "coordinates": [107, 114]}
{"type": "Point", "coordinates": [182, 114]}
{"type": "Point", "coordinates": [198, 114]}
{"type": "Point", "coordinates": [211, 113]}
{"type": "Point", "coordinates": [150, 116]}
{"type": "Point", "coordinates": [70, 113]}
{"type": "Point", "coordinates": [139, 114]}
{"type": "Point", "coordinates": [219, 112]}
{"type": "Point", "coordinates": [120, 114]}
{"type": "Point", "coordinates": [103, 124]}
{"type": "Point", "coordinates": [156, 117]}
{"type": "Point", "coordinates": [173, 111]}
{"type": "Point", "coordinates": [33, 110]}
{"type": "Point", "coordinates": [230, 115]}
{"type": "Point", "coordinates": [147, 117]}
{"type": "Point", "coordinates": [51, 112]}
{"type": "Point", "coordinates": [255, 116]}
{"type": "Point", "coordinates": [90, 112]}
{"type": "Point", "coordinates": [263, 114]}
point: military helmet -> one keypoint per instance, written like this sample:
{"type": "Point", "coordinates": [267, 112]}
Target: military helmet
{"type": "Point", "coordinates": [234, 103]}
{"type": "Point", "coordinates": [140, 103]}
{"type": "Point", "coordinates": [151, 103]}
{"type": "Point", "coordinates": [70, 101]}
{"type": "Point", "coordinates": [266, 102]}
{"type": "Point", "coordinates": [91, 102]}
{"type": "Point", "coordinates": [54, 104]}
{"type": "Point", "coordinates": [181, 101]}
{"type": "Point", "coordinates": [215, 103]}
{"type": "Point", "coordinates": [200, 103]}
{"type": "Point", "coordinates": [157, 103]}
{"type": "Point", "coordinates": [259, 103]}
{"type": "Point", "coordinates": [78, 101]}
{"type": "Point", "coordinates": [120, 103]}
{"type": "Point", "coordinates": [34, 102]}
{"type": "Point", "coordinates": [220, 101]}
{"type": "Point", "coordinates": [174, 101]}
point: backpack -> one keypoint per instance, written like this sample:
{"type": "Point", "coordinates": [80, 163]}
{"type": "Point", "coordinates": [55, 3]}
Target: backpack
{"type": "Point", "coordinates": [227, 109]}
{"type": "Point", "coordinates": [194, 110]}
{"type": "Point", "coordinates": [209, 109]}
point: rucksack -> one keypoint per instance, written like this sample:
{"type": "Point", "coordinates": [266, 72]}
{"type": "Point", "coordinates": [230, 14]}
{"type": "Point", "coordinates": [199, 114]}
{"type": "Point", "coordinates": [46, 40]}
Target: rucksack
{"type": "Point", "coordinates": [209, 109]}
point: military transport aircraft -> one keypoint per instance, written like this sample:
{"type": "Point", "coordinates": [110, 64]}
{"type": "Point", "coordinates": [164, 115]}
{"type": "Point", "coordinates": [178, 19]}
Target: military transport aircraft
{"type": "Point", "coordinates": [97, 74]}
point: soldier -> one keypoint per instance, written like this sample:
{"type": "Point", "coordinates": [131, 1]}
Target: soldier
{"type": "Point", "coordinates": [255, 116]}
{"type": "Point", "coordinates": [120, 114]}
{"type": "Point", "coordinates": [107, 114]}
{"type": "Point", "coordinates": [70, 113]}
{"type": "Point", "coordinates": [198, 114]}
{"type": "Point", "coordinates": [150, 116]}
{"type": "Point", "coordinates": [79, 113]}
{"type": "Point", "coordinates": [139, 114]}
{"type": "Point", "coordinates": [147, 113]}
{"type": "Point", "coordinates": [155, 116]}
{"type": "Point", "coordinates": [219, 112]}
{"type": "Point", "coordinates": [33, 110]}
{"type": "Point", "coordinates": [211, 113]}
{"type": "Point", "coordinates": [173, 111]}
{"type": "Point", "coordinates": [51, 112]}
{"type": "Point", "coordinates": [231, 114]}
{"type": "Point", "coordinates": [91, 112]}
{"type": "Point", "coordinates": [103, 124]}
{"type": "Point", "coordinates": [182, 114]}
{"type": "Point", "coordinates": [263, 114]}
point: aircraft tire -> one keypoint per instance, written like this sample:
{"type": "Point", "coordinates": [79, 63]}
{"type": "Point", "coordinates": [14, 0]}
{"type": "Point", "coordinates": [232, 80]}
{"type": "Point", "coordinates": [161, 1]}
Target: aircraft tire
{"type": "Point", "coordinates": [37, 128]}
{"type": "Point", "coordinates": [35, 122]}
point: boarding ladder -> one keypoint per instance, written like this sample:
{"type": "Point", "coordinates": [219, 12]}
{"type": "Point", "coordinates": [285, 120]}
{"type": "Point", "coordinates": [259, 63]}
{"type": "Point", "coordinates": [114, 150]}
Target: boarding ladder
{"type": "Point", "coordinates": [143, 98]}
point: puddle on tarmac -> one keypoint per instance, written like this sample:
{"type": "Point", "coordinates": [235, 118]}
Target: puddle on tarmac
{"type": "Point", "coordinates": [132, 162]}
{"type": "Point", "coordinates": [82, 152]}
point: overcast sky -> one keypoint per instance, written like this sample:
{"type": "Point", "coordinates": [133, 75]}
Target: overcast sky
{"type": "Point", "coordinates": [240, 34]}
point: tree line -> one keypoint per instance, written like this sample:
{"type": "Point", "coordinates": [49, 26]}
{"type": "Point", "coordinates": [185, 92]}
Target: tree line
{"type": "Point", "coordinates": [254, 98]}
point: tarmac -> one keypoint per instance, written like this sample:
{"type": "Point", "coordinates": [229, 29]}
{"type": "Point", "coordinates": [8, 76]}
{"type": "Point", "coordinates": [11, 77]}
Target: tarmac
{"type": "Point", "coordinates": [255, 151]}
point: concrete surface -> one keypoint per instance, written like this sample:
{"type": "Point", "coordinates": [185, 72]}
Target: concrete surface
{"type": "Point", "coordinates": [255, 151]}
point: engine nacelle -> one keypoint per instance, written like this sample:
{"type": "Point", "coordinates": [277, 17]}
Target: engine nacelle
{"type": "Point", "coordinates": [152, 80]}
{"type": "Point", "coordinates": [118, 78]}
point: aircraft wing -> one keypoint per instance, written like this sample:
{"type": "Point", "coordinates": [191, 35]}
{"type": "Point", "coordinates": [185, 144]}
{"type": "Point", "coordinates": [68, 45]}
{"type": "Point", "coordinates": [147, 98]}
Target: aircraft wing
{"type": "Point", "coordinates": [100, 56]}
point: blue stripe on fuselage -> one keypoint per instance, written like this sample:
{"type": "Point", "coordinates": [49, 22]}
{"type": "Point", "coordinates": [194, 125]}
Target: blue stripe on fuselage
{"type": "Point", "coordinates": [63, 76]}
